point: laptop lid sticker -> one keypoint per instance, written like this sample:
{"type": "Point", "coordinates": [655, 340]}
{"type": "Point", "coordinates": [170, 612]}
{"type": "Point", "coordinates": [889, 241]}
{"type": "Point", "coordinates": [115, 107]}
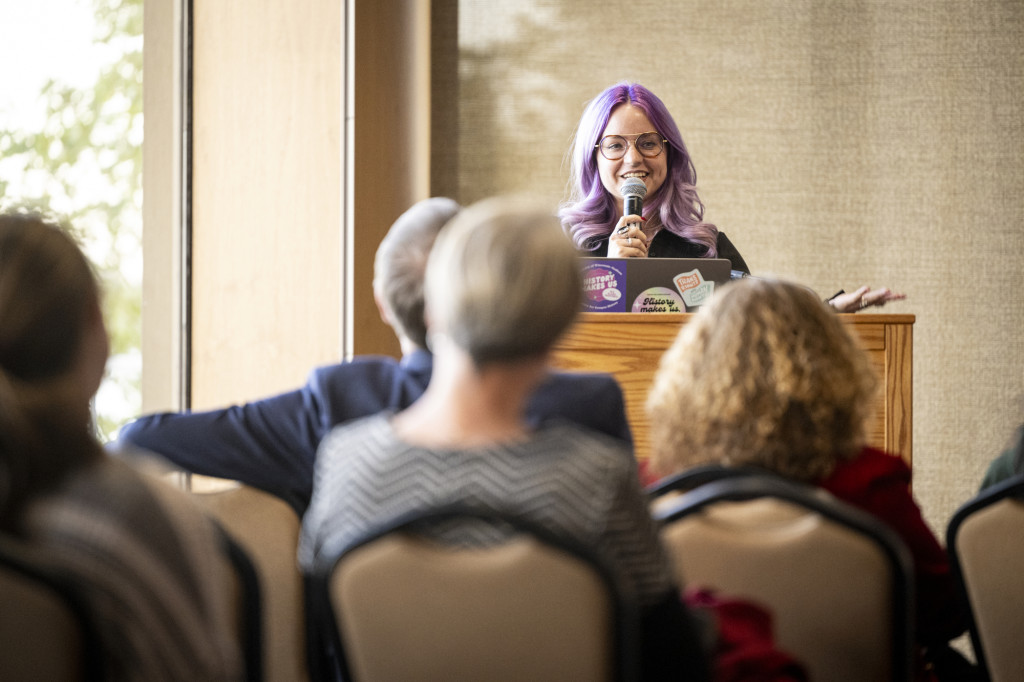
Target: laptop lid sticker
{"type": "Point", "coordinates": [604, 286]}
{"type": "Point", "coordinates": [658, 300]}
{"type": "Point", "coordinates": [696, 291]}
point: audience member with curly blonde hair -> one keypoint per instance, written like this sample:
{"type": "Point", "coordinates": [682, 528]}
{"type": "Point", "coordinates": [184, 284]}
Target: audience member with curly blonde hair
{"type": "Point", "coordinates": [767, 375]}
{"type": "Point", "coordinates": [779, 384]}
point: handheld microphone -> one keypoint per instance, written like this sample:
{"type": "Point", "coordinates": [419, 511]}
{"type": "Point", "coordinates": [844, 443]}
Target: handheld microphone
{"type": "Point", "coordinates": [633, 191]}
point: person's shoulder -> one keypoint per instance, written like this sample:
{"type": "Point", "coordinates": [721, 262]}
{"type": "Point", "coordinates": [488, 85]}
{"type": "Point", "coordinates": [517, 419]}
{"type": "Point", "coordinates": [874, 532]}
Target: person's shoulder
{"type": "Point", "coordinates": [416, 366]}
{"type": "Point", "coordinates": [870, 467]}
{"type": "Point", "coordinates": [586, 384]}
{"type": "Point", "coordinates": [361, 364]}
{"type": "Point", "coordinates": [107, 482]}
{"type": "Point", "coordinates": [580, 378]}
{"type": "Point", "coordinates": [111, 493]}
{"type": "Point", "coordinates": [873, 462]}
{"type": "Point", "coordinates": [147, 481]}
{"type": "Point", "coordinates": [881, 461]}
{"type": "Point", "coordinates": [592, 400]}
{"type": "Point", "coordinates": [1001, 468]}
{"type": "Point", "coordinates": [723, 242]}
{"type": "Point", "coordinates": [372, 428]}
{"type": "Point", "coordinates": [365, 378]}
{"type": "Point", "coordinates": [583, 442]}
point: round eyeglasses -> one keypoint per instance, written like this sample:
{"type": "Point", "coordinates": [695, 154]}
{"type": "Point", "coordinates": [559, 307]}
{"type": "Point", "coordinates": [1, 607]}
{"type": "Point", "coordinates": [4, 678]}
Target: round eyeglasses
{"type": "Point", "coordinates": [614, 147]}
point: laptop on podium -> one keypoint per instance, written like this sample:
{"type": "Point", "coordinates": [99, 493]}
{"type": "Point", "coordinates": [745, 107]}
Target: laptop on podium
{"type": "Point", "coordinates": [651, 285]}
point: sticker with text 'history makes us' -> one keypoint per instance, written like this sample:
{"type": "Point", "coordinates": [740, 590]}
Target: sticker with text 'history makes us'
{"type": "Point", "coordinates": [658, 300]}
{"type": "Point", "coordinates": [604, 287]}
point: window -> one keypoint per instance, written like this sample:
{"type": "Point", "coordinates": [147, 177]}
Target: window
{"type": "Point", "coordinates": [71, 145]}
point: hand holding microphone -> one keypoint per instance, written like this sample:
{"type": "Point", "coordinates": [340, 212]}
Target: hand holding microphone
{"type": "Point", "coordinates": [627, 239]}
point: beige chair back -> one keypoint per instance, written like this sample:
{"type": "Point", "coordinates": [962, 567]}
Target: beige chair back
{"type": "Point", "coordinates": [408, 608]}
{"type": "Point", "coordinates": [838, 593]}
{"type": "Point", "coordinates": [44, 631]}
{"type": "Point", "coordinates": [267, 529]}
{"type": "Point", "coordinates": [986, 544]}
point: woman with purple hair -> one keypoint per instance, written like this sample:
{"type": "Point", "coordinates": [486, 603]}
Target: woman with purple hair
{"type": "Point", "coordinates": [626, 138]}
{"type": "Point", "coordinates": [626, 135]}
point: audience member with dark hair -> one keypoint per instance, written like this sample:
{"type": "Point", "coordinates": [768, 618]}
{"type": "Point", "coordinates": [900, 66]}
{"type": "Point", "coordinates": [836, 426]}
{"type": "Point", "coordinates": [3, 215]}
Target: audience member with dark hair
{"type": "Point", "coordinates": [271, 443]}
{"type": "Point", "coordinates": [502, 285]}
{"type": "Point", "coordinates": [626, 133]}
{"type": "Point", "coordinates": [767, 376]}
{"type": "Point", "coordinates": [142, 556]}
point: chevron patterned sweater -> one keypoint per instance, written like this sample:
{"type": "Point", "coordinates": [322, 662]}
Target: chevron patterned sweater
{"type": "Point", "coordinates": [575, 482]}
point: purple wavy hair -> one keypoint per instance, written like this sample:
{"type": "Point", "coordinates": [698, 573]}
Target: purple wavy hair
{"type": "Point", "coordinates": [591, 212]}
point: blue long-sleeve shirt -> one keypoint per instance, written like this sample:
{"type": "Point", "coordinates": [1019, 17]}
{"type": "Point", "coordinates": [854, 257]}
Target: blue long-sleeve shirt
{"type": "Point", "coordinates": [271, 444]}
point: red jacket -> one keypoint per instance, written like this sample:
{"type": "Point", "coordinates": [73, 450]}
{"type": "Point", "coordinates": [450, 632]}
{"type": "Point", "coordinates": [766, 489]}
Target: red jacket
{"type": "Point", "coordinates": [879, 483]}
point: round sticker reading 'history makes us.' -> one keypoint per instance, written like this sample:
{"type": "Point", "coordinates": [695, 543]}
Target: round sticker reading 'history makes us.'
{"type": "Point", "coordinates": [658, 300]}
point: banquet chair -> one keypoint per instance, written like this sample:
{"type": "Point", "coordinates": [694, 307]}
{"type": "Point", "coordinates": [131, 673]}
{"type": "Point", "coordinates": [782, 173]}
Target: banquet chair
{"type": "Point", "coordinates": [266, 530]}
{"type": "Point", "coordinates": [985, 541]}
{"type": "Point", "coordinates": [398, 606]}
{"type": "Point", "coordinates": [45, 631]}
{"type": "Point", "coordinates": [836, 580]}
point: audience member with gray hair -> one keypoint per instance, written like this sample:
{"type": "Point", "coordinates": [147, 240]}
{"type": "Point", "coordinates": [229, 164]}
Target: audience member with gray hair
{"type": "Point", "coordinates": [502, 285]}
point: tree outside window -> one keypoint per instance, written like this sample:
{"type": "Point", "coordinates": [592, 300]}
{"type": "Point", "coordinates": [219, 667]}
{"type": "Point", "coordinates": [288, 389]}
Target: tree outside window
{"type": "Point", "coordinates": [74, 150]}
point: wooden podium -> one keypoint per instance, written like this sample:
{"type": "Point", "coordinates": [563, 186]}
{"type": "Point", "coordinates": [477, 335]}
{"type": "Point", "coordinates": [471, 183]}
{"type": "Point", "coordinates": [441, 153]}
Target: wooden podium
{"type": "Point", "coordinates": [630, 345]}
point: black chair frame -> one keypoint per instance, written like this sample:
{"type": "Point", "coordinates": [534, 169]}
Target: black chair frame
{"type": "Point", "coordinates": [695, 477]}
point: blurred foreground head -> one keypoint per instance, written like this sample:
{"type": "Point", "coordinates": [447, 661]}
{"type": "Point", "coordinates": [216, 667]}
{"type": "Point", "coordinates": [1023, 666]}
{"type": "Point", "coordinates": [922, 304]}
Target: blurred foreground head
{"type": "Point", "coordinates": [502, 282]}
{"type": "Point", "coordinates": [53, 351]}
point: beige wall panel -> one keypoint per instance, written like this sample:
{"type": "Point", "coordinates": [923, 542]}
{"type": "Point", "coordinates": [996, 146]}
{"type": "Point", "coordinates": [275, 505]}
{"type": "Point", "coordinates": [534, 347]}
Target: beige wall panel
{"type": "Point", "coordinates": [266, 195]}
{"type": "Point", "coordinates": [836, 143]}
